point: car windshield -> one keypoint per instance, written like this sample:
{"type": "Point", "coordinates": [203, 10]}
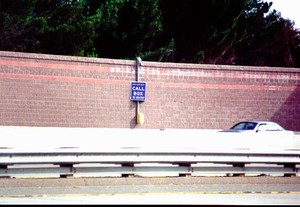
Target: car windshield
{"type": "Point", "coordinates": [244, 126]}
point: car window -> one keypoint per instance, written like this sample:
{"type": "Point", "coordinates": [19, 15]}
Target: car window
{"type": "Point", "coordinates": [250, 126]}
{"type": "Point", "coordinates": [244, 126]}
{"type": "Point", "coordinates": [239, 126]}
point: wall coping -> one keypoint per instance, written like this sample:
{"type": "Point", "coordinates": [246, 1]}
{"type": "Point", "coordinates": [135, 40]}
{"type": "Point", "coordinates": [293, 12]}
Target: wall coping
{"type": "Point", "coordinates": [147, 64]}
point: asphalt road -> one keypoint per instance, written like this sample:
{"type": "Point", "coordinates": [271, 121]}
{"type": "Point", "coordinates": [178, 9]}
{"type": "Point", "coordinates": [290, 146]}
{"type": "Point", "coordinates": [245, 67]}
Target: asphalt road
{"type": "Point", "coordinates": [164, 190]}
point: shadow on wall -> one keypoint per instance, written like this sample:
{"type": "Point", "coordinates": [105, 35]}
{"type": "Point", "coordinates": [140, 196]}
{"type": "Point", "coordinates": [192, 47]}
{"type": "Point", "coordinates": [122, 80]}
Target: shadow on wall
{"type": "Point", "coordinates": [288, 115]}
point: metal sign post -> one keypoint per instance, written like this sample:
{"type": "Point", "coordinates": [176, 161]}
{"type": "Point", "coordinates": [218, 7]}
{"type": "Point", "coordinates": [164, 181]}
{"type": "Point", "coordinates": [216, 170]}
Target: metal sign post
{"type": "Point", "coordinates": [138, 92]}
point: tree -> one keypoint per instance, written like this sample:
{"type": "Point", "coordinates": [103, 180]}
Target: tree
{"type": "Point", "coordinates": [46, 26]}
{"type": "Point", "coordinates": [270, 39]}
{"type": "Point", "coordinates": [127, 28]}
{"type": "Point", "coordinates": [203, 31]}
{"type": "Point", "coordinates": [228, 32]}
{"type": "Point", "coordinates": [243, 32]}
{"type": "Point", "coordinates": [18, 27]}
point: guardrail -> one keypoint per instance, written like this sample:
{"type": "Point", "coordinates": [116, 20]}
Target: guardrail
{"type": "Point", "coordinates": [64, 163]}
{"type": "Point", "coordinates": [90, 152]}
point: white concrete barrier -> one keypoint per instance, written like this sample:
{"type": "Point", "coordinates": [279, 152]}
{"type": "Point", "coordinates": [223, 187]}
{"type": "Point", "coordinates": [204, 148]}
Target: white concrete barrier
{"type": "Point", "coordinates": [52, 138]}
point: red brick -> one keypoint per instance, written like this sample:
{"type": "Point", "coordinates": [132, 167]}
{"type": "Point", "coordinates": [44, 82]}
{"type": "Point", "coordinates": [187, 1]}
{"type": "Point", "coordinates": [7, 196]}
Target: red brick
{"type": "Point", "coordinates": [53, 90]}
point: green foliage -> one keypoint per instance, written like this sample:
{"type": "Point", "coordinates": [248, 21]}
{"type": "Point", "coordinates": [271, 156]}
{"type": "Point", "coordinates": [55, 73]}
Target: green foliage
{"type": "Point", "coordinates": [243, 32]}
{"type": "Point", "coordinates": [270, 40]}
{"type": "Point", "coordinates": [46, 26]}
{"type": "Point", "coordinates": [17, 25]}
{"type": "Point", "coordinates": [67, 30]}
{"type": "Point", "coordinates": [127, 27]}
{"type": "Point", "coordinates": [161, 54]}
{"type": "Point", "coordinates": [92, 54]}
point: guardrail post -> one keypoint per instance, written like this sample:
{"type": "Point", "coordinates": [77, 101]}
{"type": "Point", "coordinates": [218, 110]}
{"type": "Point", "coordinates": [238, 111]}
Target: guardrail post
{"type": "Point", "coordinates": [238, 165]}
{"type": "Point", "coordinates": [189, 169]}
{"type": "Point", "coordinates": [4, 167]}
{"type": "Point", "coordinates": [293, 167]}
{"type": "Point", "coordinates": [130, 166]}
{"type": "Point", "coordinates": [70, 166]}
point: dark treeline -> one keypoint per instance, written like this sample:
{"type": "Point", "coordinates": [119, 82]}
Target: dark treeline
{"type": "Point", "coordinates": [240, 32]}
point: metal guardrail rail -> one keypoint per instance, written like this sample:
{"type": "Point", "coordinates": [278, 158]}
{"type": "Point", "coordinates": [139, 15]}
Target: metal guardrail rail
{"type": "Point", "coordinates": [64, 163]}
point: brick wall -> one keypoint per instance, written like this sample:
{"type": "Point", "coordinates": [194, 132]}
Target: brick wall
{"type": "Point", "coordinates": [64, 91]}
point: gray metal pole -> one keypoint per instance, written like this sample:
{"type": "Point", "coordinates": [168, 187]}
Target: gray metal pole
{"type": "Point", "coordinates": [138, 64]}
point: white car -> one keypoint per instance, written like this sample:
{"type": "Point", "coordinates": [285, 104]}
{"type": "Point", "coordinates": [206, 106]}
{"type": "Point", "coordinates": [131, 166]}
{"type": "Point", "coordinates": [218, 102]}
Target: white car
{"type": "Point", "coordinates": [258, 126]}
{"type": "Point", "coordinates": [260, 133]}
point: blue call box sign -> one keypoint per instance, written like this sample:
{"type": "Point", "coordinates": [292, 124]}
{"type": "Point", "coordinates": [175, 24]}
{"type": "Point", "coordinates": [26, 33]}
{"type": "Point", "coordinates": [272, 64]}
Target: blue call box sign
{"type": "Point", "coordinates": [138, 91]}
